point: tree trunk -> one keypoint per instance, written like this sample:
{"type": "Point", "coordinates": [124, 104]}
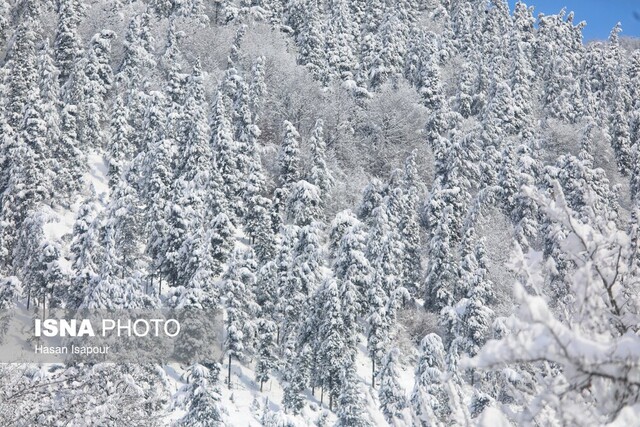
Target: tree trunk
{"type": "Point", "coordinates": [261, 384]}
{"type": "Point", "coordinates": [373, 372]}
{"type": "Point", "coordinates": [229, 374]}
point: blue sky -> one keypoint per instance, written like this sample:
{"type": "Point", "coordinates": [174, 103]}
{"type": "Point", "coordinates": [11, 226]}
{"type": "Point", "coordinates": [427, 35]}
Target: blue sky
{"type": "Point", "coordinates": [601, 15]}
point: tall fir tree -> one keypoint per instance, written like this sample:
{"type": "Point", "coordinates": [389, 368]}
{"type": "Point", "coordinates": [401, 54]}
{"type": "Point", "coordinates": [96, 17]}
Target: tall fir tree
{"type": "Point", "coordinates": [391, 394]}
{"type": "Point", "coordinates": [289, 155]}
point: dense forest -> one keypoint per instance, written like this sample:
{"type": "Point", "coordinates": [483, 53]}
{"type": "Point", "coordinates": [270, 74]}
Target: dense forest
{"type": "Point", "coordinates": [411, 212]}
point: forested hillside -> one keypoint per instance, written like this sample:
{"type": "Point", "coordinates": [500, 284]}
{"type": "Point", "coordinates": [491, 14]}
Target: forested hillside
{"type": "Point", "coordinates": [411, 212]}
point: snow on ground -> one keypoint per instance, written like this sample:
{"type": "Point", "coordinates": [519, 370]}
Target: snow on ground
{"type": "Point", "coordinates": [245, 404]}
{"type": "Point", "coordinates": [97, 174]}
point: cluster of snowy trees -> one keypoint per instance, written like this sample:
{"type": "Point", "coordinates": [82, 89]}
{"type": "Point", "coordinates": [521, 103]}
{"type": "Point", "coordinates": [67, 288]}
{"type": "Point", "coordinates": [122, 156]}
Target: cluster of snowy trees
{"type": "Point", "coordinates": [218, 193]}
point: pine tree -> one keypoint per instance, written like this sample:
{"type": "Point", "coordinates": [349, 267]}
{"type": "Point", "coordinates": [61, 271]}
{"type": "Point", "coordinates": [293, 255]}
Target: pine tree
{"type": "Point", "coordinates": [289, 157]}
{"type": "Point", "coordinates": [222, 235]}
{"type": "Point", "coordinates": [4, 24]}
{"type": "Point", "coordinates": [236, 48]}
{"type": "Point", "coordinates": [67, 44]}
{"type": "Point", "coordinates": [197, 156]}
{"type": "Point", "coordinates": [194, 202]}
{"type": "Point", "coordinates": [341, 41]}
{"type": "Point", "coordinates": [94, 78]}
{"type": "Point", "coordinates": [225, 151]}
{"type": "Point", "coordinates": [119, 148]}
{"type": "Point", "coordinates": [351, 309]}
{"type": "Point", "coordinates": [429, 400]}
{"type": "Point", "coordinates": [558, 59]}
{"type": "Point", "coordinates": [304, 203]}
{"type": "Point", "coordinates": [119, 284]}
{"type": "Point", "coordinates": [138, 50]}
{"type": "Point", "coordinates": [28, 239]}
{"type": "Point", "coordinates": [267, 291]}
{"type": "Point", "coordinates": [634, 184]}
{"type": "Point", "coordinates": [24, 74]}
{"type": "Point", "coordinates": [342, 222]}
{"type": "Point", "coordinates": [240, 307]}
{"type": "Point", "coordinates": [464, 102]}
{"type": "Point", "coordinates": [37, 260]}
{"type": "Point", "coordinates": [246, 134]}
{"type": "Point", "coordinates": [83, 250]}
{"type": "Point", "coordinates": [49, 96]}
{"type": "Point", "coordinates": [442, 270]}
{"type": "Point", "coordinates": [311, 43]}
{"type": "Point", "coordinates": [69, 176]}
{"type": "Point", "coordinates": [331, 336]}
{"type": "Point", "coordinates": [7, 143]}
{"type": "Point", "coordinates": [177, 80]}
{"type": "Point", "coordinates": [320, 175]}
{"type": "Point", "coordinates": [23, 188]}
{"type": "Point", "coordinates": [260, 229]}
{"type": "Point", "coordinates": [29, 179]}
{"type": "Point", "coordinates": [350, 263]}
{"type": "Point", "coordinates": [177, 217]}
{"type": "Point", "coordinates": [384, 250]}
{"type": "Point", "coordinates": [378, 327]}
{"type": "Point", "coordinates": [277, 208]}
{"type": "Point", "coordinates": [291, 294]}
{"type": "Point", "coordinates": [257, 88]}
{"type": "Point", "coordinates": [294, 378]}
{"type": "Point", "coordinates": [266, 351]}
{"type": "Point", "coordinates": [9, 296]}
{"type": "Point", "coordinates": [309, 257]}
{"type": "Point", "coordinates": [63, 154]}
{"type": "Point", "coordinates": [389, 61]}
{"type": "Point", "coordinates": [507, 178]}
{"type": "Point", "coordinates": [124, 219]}
{"type": "Point", "coordinates": [525, 213]}
{"type": "Point", "coordinates": [499, 116]}
{"type": "Point", "coordinates": [391, 394]}
{"type": "Point", "coordinates": [351, 411]}
{"type": "Point", "coordinates": [103, 291]}
{"type": "Point", "coordinates": [476, 315]}
{"type": "Point", "coordinates": [157, 179]}
{"type": "Point", "coordinates": [204, 404]}
{"type": "Point", "coordinates": [620, 135]}
{"type": "Point", "coordinates": [411, 245]}
{"type": "Point", "coordinates": [428, 79]}
{"type": "Point", "coordinates": [372, 196]}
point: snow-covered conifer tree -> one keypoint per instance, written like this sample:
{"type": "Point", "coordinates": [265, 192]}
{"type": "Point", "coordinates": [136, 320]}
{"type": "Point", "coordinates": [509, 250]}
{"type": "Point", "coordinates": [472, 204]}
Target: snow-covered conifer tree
{"type": "Point", "coordinates": [351, 411]}
{"type": "Point", "coordinates": [240, 308]}
{"type": "Point", "coordinates": [442, 270]}
{"type": "Point", "coordinates": [391, 394]}
{"type": "Point", "coordinates": [83, 250]}
{"type": "Point", "coordinates": [429, 399]}
{"type": "Point", "coordinates": [304, 203]}
{"type": "Point", "coordinates": [289, 156]}
{"type": "Point", "coordinates": [203, 400]}
{"type": "Point", "coordinates": [320, 175]}
{"type": "Point", "coordinates": [266, 351]}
